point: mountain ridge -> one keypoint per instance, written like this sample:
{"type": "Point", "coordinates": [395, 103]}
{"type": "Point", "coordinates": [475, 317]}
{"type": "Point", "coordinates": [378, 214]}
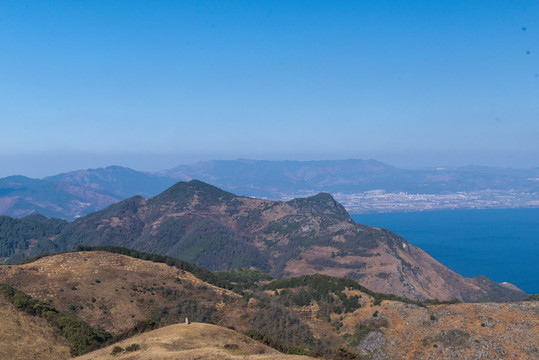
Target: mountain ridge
{"type": "Point", "coordinates": [77, 193]}
{"type": "Point", "coordinates": [352, 175]}
{"type": "Point", "coordinates": [71, 195]}
{"type": "Point", "coordinates": [201, 223]}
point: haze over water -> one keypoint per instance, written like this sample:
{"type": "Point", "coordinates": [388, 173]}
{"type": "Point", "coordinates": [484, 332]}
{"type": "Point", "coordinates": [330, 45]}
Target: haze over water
{"type": "Point", "coordinates": [501, 244]}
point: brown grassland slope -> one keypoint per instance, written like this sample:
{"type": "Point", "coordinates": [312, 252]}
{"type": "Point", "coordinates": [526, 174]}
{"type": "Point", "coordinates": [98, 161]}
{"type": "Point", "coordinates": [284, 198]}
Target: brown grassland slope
{"type": "Point", "coordinates": [187, 342]}
{"type": "Point", "coordinates": [397, 330]}
{"type": "Point", "coordinates": [115, 292]}
{"type": "Point", "coordinates": [28, 337]}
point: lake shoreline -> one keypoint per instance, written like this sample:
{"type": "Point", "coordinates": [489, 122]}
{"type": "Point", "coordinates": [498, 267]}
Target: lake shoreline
{"type": "Point", "coordinates": [502, 244]}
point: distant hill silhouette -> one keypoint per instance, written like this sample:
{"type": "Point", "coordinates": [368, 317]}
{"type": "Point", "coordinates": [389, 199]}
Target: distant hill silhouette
{"type": "Point", "coordinates": [273, 179]}
{"type": "Point", "coordinates": [77, 193]}
{"type": "Point", "coordinates": [81, 192]}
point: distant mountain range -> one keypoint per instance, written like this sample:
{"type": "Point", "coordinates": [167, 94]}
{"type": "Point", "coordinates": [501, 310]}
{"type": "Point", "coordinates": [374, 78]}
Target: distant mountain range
{"type": "Point", "coordinates": [275, 179]}
{"type": "Point", "coordinates": [76, 193]}
{"type": "Point", "coordinates": [212, 228]}
{"type": "Point", "coordinates": [81, 192]}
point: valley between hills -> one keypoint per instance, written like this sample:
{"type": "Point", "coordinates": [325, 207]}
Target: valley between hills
{"type": "Point", "coordinates": [258, 279]}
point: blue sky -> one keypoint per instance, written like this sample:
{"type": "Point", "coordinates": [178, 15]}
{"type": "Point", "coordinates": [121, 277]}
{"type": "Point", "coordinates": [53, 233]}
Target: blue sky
{"type": "Point", "coordinates": [151, 84]}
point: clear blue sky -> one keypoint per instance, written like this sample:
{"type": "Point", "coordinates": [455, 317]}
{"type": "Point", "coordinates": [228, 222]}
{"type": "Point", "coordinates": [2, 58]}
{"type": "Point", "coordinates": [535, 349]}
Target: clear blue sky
{"type": "Point", "coordinates": [151, 84]}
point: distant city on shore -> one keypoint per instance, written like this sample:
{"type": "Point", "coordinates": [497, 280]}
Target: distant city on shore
{"type": "Point", "coordinates": [361, 186]}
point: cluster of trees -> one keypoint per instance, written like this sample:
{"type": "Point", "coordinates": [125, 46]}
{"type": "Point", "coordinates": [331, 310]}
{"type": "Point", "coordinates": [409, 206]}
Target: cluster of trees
{"type": "Point", "coordinates": [16, 234]}
{"type": "Point", "coordinates": [294, 350]}
{"type": "Point", "coordinates": [317, 287]}
{"type": "Point", "coordinates": [208, 243]}
{"type": "Point", "coordinates": [81, 336]}
{"type": "Point", "coordinates": [246, 276]}
{"type": "Point", "coordinates": [280, 327]}
{"type": "Point", "coordinates": [327, 291]}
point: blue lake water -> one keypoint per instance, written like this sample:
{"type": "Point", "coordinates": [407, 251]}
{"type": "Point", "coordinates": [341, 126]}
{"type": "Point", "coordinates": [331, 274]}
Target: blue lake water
{"type": "Point", "coordinates": [502, 244]}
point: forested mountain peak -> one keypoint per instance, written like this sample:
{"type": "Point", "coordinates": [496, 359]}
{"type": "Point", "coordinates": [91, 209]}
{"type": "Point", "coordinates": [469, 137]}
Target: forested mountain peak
{"type": "Point", "coordinates": [183, 192]}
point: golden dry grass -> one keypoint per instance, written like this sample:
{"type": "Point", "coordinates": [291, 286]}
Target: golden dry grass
{"type": "Point", "coordinates": [189, 342]}
{"type": "Point", "coordinates": [510, 329]}
{"type": "Point", "coordinates": [107, 290]}
{"type": "Point", "coordinates": [27, 337]}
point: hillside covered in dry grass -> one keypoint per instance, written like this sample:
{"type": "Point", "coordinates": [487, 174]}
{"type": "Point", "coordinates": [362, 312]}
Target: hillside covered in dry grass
{"type": "Point", "coordinates": [186, 342]}
{"type": "Point", "coordinates": [318, 315]}
{"type": "Point", "coordinates": [23, 336]}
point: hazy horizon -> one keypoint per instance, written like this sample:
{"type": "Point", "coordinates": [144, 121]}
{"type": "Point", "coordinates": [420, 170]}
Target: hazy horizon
{"type": "Point", "coordinates": [43, 165]}
{"type": "Point", "coordinates": [151, 85]}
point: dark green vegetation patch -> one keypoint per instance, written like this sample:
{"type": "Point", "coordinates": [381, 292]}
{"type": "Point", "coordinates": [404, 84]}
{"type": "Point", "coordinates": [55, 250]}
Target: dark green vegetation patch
{"type": "Point", "coordinates": [18, 235]}
{"type": "Point", "coordinates": [80, 335]}
{"type": "Point", "coordinates": [243, 276]}
{"type": "Point", "coordinates": [317, 287]}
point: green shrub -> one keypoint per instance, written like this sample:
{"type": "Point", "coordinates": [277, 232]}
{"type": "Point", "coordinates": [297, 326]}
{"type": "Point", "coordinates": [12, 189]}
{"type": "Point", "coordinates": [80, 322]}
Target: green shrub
{"type": "Point", "coordinates": [345, 354]}
{"type": "Point", "coordinates": [132, 347]}
{"type": "Point", "coordinates": [364, 327]}
{"type": "Point", "coordinates": [79, 334]}
{"type": "Point", "coordinates": [116, 350]}
{"type": "Point", "coordinates": [296, 350]}
{"type": "Point", "coordinates": [243, 276]}
{"type": "Point", "coordinates": [258, 336]}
